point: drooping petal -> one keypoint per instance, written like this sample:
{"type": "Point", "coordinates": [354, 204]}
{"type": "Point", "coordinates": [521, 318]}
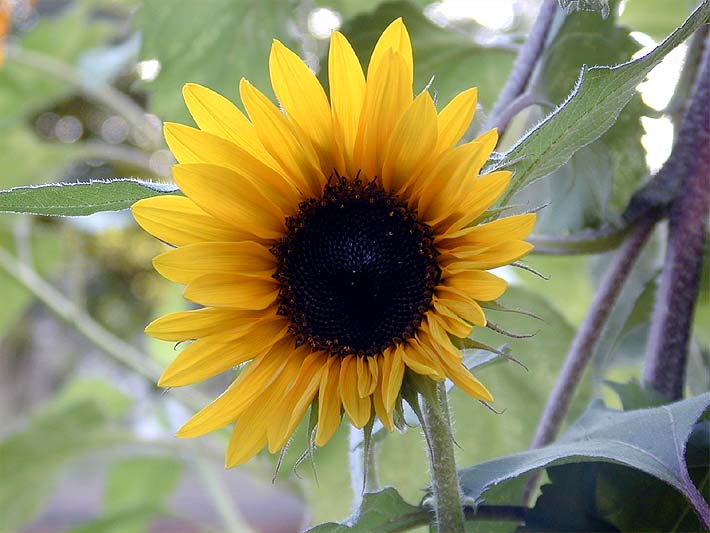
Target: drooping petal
{"type": "Point", "coordinates": [392, 376]}
{"type": "Point", "coordinates": [357, 408]}
{"type": "Point", "coordinates": [478, 284]}
{"type": "Point", "coordinates": [210, 356]}
{"type": "Point", "coordinates": [254, 379]}
{"type": "Point", "coordinates": [378, 398]}
{"type": "Point", "coordinates": [328, 402]}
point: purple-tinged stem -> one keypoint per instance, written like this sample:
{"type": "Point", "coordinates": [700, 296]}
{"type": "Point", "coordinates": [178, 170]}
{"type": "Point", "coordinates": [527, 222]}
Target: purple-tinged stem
{"type": "Point", "coordinates": [667, 349]}
{"type": "Point", "coordinates": [524, 65]}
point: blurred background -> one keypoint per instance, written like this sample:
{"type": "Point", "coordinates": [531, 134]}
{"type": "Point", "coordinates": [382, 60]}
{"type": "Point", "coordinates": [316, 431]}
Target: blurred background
{"type": "Point", "coordinates": [86, 443]}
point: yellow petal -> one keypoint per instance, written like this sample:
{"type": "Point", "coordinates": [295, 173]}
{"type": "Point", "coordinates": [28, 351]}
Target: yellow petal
{"type": "Point", "coordinates": [417, 359]}
{"type": "Point", "coordinates": [299, 398]}
{"type": "Point", "coordinates": [365, 381]}
{"type": "Point", "coordinates": [478, 284]}
{"type": "Point", "coordinates": [194, 146]}
{"type": "Point", "coordinates": [210, 356]}
{"type": "Point", "coordinates": [231, 198]}
{"type": "Point", "coordinates": [232, 290]}
{"type": "Point", "coordinates": [392, 377]}
{"type": "Point", "coordinates": [411, 143]}
{"type": "Point", "coordinates": [186, 263]}
{"type": "Point", "coordinates": [357, 408]}
{"type": "Point", "coordinates": [384, 415]}
{"type": "Point", "coordinates": [304, 100]}
{"type": "Point", "coordinates": [328, 402]}
{"type": "Point", "coordinates": [453, 324]}
{"type": "Point", "coordinates": [179, 221]}
{"type": "Point", "coordinates": [215, 114]}
{"type": "Point", "coordinates": [395, 38]}
{"type": "Point", "coordinates": [260, 373]}
{"type": "Point", "coordinates": [461, 259]}
{"type": "Point", "coordinates": [187, 325]}
{"type": "Point", "coordinates": [455, 119]}
{"type": "Point", "coordinates": [461, 304]}
{"type": "Point", "coordinates": [347, 92]}
{"type": "Point", "coordinates": [472, 203]}
{"type": "Point", "coordinates": [387, 95]}
{"type": "Point", "coordinates": [515, 227]}
{"type": "Point", "coordinates": [452, 177]}
{"type": "Point", "coordinates": [248, 438]}
{"type": "Point", "coordinates": [464, 380]}
{"type": "Point", "coordinates": [277, 134]}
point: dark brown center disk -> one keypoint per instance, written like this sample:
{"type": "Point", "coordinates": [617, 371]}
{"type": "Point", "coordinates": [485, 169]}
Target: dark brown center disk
{"type": "Point", "coordinates": [357, 270]}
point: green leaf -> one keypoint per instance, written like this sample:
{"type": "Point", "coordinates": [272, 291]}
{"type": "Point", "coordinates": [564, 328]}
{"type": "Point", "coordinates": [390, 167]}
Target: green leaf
{"type": "Point", "coordinates": [78, 199]}
{"type": "Point", "coordinates": [595, 185]}
{"type": "Point", "coordinates": [589, 111]}
{"type": "Point", "coordinates": [236, 44]}
{"type": "Point", "coordinates": [650, 440]}
{"type": "Point", "coordinates": [384, 511]}
{"type": "Point", "coordinates": [74, 424]}
{"type": "Point", "coordinates": [454, 60]}
{"type": "Point", "coordinates": [610, 497]}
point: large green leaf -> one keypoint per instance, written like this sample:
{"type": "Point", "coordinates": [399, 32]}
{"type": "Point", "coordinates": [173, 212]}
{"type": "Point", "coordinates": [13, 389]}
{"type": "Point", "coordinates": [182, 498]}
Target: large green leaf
{"type": "Point", "coordinates": [235, 44]}
{"type": "Point", "coordinates": [75, 423]}
{"type": "Point", "coordinates": [78, 199]}
{"type": "Point", "coordinates": [650, 440]}
{"type": "Point", "coordinates": [454, 60]}
{"type": "Point", "coordinates": [590, 110]}
{"type": "Point", "coordinates": [384, 511]}
{"type": "Point", "coordinates": [609, 497]}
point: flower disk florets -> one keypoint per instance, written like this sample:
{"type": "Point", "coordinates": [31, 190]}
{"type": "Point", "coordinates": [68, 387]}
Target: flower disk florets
{"type": "Point", "coordinates": [356, 270]}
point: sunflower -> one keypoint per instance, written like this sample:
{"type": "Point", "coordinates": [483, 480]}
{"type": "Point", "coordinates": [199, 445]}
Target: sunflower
{"type": "Point", "coordinates": [331, 243]}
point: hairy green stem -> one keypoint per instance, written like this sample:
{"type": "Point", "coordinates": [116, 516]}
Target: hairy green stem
{"type": "Point", "coordinates": [445, 487]}
{"type": "Point", "coordinates": [667, 350]}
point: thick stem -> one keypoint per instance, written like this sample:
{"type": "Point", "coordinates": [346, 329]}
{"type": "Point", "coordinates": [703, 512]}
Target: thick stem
{"type": "Point", "coordinates": [445, 481]}
{"type": "Point", "coordinates": [524, 64]}
{"type": "Point", "coordinates": [588, 334]}
{"type": "Point", "coordinates": [667, 350]}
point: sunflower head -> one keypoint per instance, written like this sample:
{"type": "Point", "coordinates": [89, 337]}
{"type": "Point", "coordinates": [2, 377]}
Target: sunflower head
{"type": "Point", "coordinates": [332, 246]}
